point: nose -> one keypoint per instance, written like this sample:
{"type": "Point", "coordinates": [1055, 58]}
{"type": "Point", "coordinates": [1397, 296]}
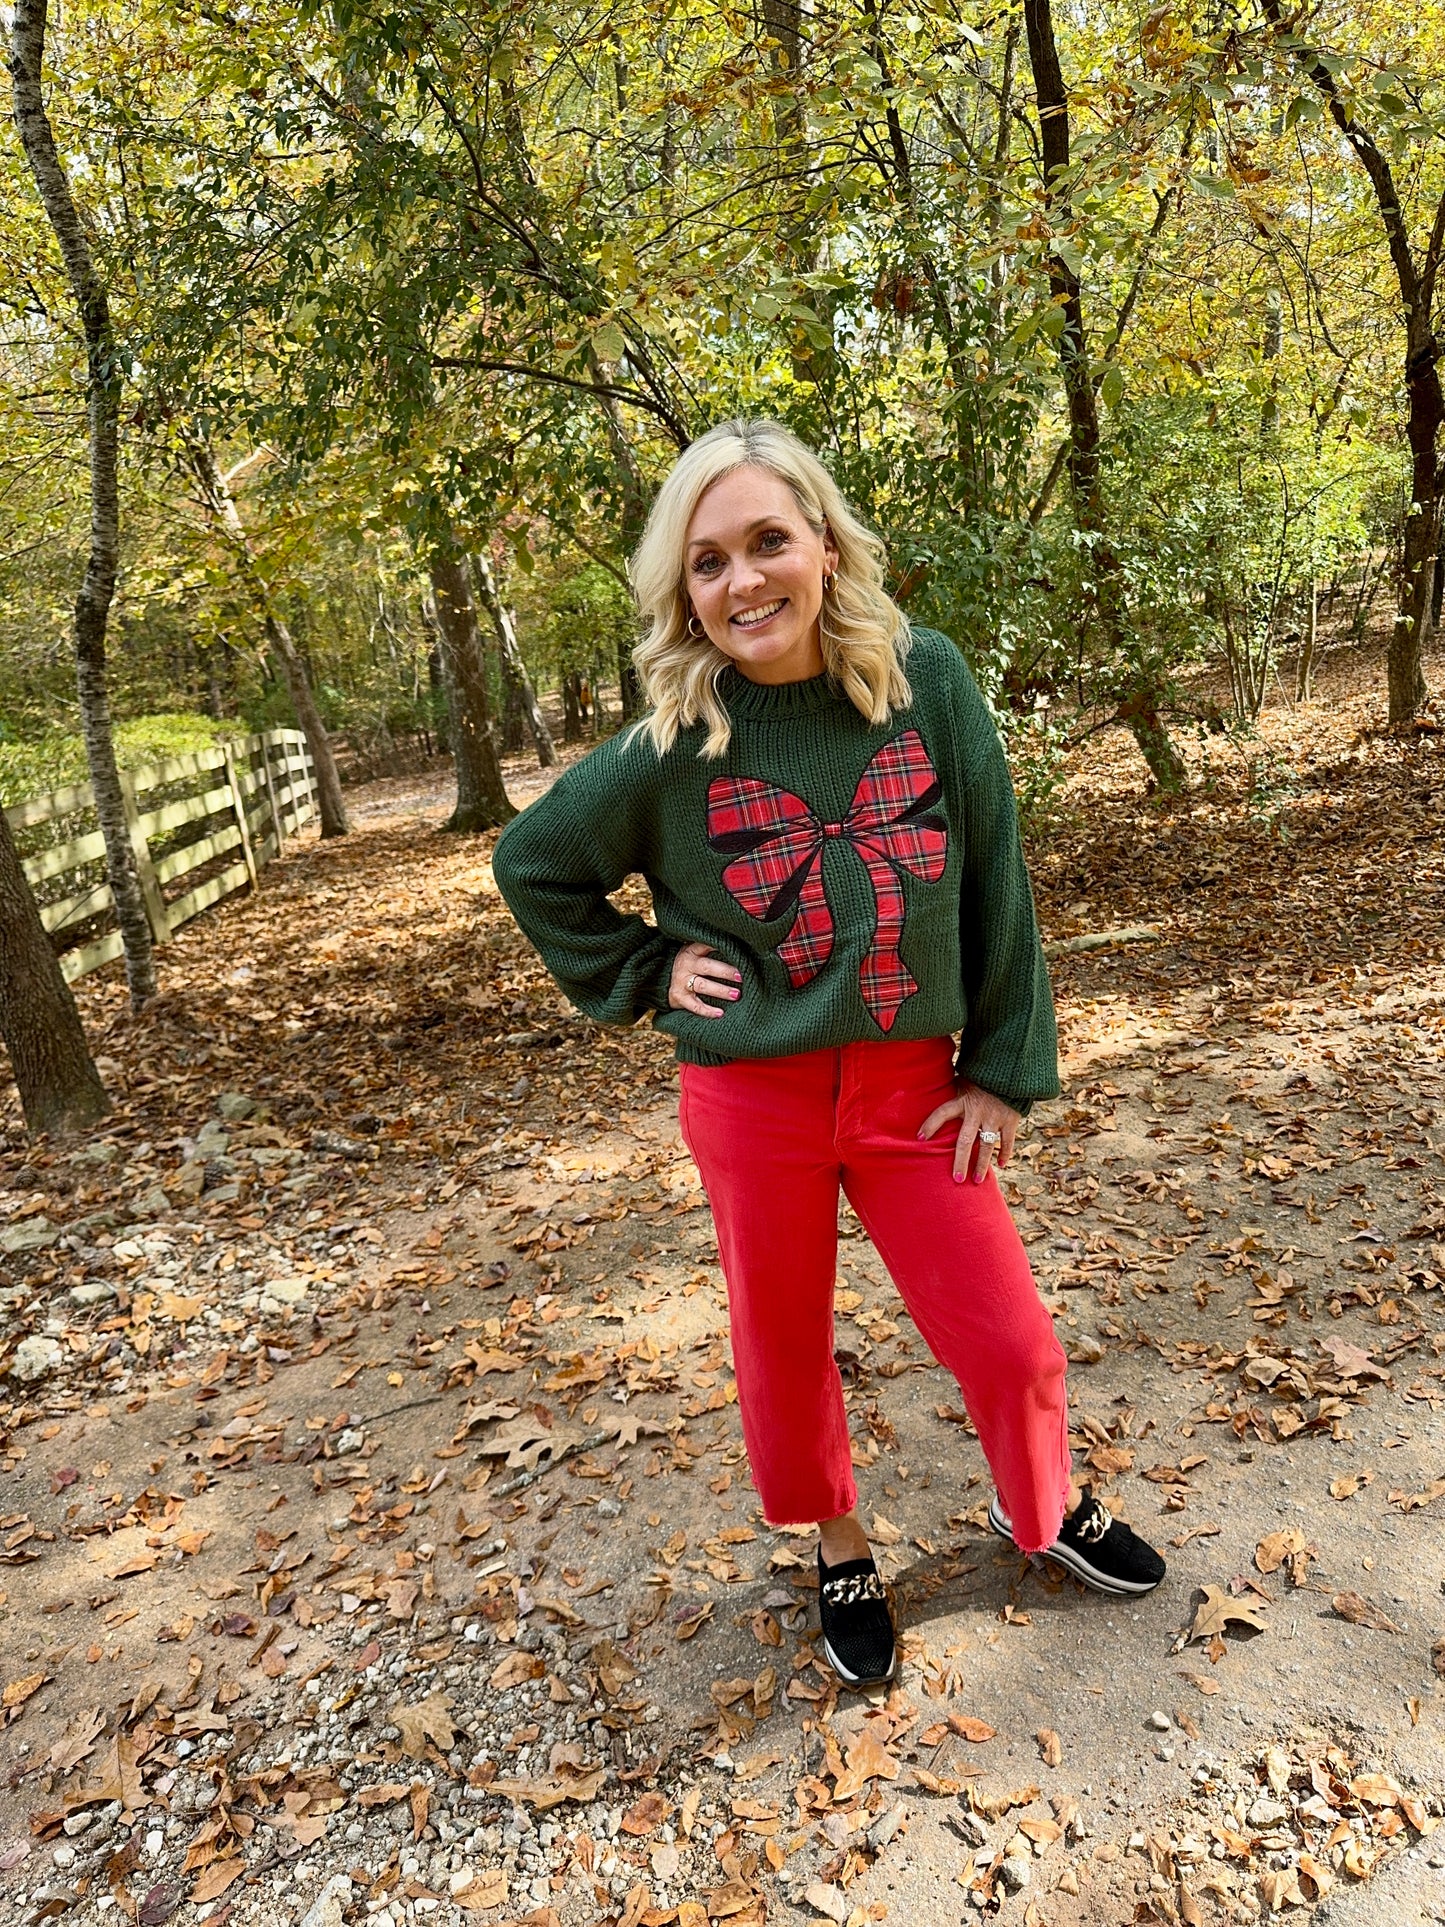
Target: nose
{"type": "Point", "coordinates": [747, 577]}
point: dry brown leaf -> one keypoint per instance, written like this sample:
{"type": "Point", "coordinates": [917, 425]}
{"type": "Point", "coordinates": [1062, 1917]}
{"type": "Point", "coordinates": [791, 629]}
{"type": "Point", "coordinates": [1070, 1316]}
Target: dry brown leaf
{"type": "Point", "coordinates": [78, 1740]}
{"type": "Point", "coordinates": [1276, 1547]}
{"type": "Point", "coordinates": [546, 1794]}
{"type": "Point", "coordinates": [20, 1690]}
{"type": "Point", "coordinates": [645, 1815]}
{"type": "Point", "coordinates": [180, 1308]}
{"type": "Point", "coordinates": [1376, 1790]}
{"type": "Point", "coordinates": [488, 1890]}
{"type": "Point", "coordinates": [214, 1880]}
{"type": "Point", "coordinates": [137, 1562]}
{"type": "Point", "coordinates": [516, 1667]}
{"type": "Point", "coordinates": [1051, 1747]}
{"type": "Point", "coordinates": [1217, 1610]}
{"type": "Point", "coordinates": [970, 1729]}
{"type": "Point", "coordinates": [688, 1626]}
{"type": "Point", "coordinates": [427, 1721]}
{"type": "Point", "coordinates": [1362, 1612]}
{"type": "Point", "coordinates": [884, 1531]}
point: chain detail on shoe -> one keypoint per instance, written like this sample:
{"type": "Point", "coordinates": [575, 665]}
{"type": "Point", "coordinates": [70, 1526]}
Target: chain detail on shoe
{"type": "Point", "coordinates": [856, 1586]}
{"type": "Point", "coordinates": [1096, 1525]}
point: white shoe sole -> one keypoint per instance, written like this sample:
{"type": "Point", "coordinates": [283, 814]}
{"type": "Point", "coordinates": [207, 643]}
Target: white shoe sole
{"type": "Point", "coordinates": [1074, 1561]}
{"type": "Point", "coordinates": [857, 1679]}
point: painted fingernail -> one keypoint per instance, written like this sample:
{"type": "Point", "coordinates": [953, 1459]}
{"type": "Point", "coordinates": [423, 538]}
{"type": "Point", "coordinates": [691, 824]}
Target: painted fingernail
{"type": "Point", "coordinates": [959, 1176]}
{"type": "Point", "coordinates": [735, 993]}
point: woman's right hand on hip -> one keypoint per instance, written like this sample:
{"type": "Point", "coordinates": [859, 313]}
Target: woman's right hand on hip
{"type": "Point", "coordinates": [697, 973]}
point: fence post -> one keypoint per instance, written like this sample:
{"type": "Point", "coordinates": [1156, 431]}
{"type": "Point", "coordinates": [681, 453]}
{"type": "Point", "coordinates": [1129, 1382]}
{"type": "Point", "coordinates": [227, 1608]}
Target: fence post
{"type": "Point", "coordinates": [150, 888]}
{"type": "Point", "coordinates": [271, 788]}
{"type": "Point", "coordinates": [238, 804]}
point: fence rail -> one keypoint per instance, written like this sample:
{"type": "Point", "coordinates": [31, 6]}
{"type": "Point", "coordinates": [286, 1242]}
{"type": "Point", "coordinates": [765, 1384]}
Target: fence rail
{"type": "Point", "coordinates": [209, 821]}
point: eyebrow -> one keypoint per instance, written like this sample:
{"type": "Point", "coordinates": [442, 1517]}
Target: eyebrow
{"type": "Point", "coordinates": [711, 542]}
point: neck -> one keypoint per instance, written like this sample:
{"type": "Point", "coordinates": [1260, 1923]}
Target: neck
{"type": "Point", "coordinates": [798, 665]}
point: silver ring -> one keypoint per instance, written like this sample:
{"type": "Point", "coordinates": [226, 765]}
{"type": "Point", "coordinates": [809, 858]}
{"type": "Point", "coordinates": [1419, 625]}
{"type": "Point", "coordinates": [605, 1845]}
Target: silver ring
{"type": "Point", "coordinates": [989, 1137]}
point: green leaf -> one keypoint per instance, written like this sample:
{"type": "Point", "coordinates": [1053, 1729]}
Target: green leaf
{"type": "Point", "coordinates": [1111, 388]}
{"type": "Point", "coordinates": [610, 342]}
{"type": "Point", "coordinates": [1219, 185]}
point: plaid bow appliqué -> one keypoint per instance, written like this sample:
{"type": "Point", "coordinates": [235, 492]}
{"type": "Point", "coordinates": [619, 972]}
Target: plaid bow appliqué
{"type": "Point", "coordinates": [777, 841]}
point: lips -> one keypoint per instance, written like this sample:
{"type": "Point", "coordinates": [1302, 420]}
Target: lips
{"type": "Point", "coordinates": [755, 618]}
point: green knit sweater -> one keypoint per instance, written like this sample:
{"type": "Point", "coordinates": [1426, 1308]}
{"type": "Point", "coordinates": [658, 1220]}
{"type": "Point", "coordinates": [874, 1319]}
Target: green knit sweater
{"type": "Point", "coordinates": [866, 880]}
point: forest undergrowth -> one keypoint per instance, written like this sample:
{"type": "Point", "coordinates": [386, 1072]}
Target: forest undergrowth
{"type": "Point", "coordinates": [379, 1542]}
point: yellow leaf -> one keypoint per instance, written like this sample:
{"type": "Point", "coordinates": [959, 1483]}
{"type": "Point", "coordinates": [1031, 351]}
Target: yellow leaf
{"type": "Point", "coordinates": [181, 1308]}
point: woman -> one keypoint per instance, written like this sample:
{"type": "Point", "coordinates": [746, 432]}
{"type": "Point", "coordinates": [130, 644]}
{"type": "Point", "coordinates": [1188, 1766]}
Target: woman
{"type": "Point", "coordinates": [820, 805]}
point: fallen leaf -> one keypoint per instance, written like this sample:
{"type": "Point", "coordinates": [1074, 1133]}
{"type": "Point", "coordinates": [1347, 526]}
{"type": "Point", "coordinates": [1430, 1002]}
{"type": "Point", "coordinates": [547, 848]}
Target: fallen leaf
{"type": "Point", "coordinates": [1217, 1610]}
{"type": "Point", "coordinates": [1362, 1612]}
{"type": "Point", "coordinates": [546, 1794]}
{"type": "Point", "coordinates": [830, 1901]}
{"type": "Point", "coordinates": [182, 1309]}
{"type": "Point", "coordinates": [688, 1625]}
{"type": "Point", "coordinates": [137, 1562]}
{"type": "Point", "coordinates": [427, 1720]}
{"type": "Point", "coordinates": [1273, 1550]}
{"type": "Point", "coordinates": [78, 1740]}
{"type": "Point", "coordinates": [516, 1667]}
{"type": "Point", "coordinates": [645, 1815]}
{"type": "Point", "coordinates": [1051, 1749]}
{"type": "Point", "coordinates": [213, 1881]}
{"type": "Point", "coordinates": [160, 1903]}
{"type": "Point", "coordinates": [970, 1729]}
{"type": "Point", "coordinates": [20, 1690]}
{"type": "Point", "coordinates": [489, 1889]}
{"type": "Point", "coordinates": [1376, 1790]}
{"type": "Point", "coordinates": [386, 1794]}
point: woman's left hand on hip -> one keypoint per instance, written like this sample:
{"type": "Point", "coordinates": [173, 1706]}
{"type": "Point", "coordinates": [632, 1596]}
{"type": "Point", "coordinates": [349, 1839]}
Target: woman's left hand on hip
{"type": "Point", "coordinates": [984, 1122]}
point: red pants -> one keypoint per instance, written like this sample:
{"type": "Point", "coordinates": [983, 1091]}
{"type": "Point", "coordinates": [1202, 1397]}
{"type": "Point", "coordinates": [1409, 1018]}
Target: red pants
{"type": "Point", "coordinates": [773, 1138]}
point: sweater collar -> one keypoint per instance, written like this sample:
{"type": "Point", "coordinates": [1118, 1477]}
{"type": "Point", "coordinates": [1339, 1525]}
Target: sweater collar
{"type": "Point", "coordinates": [743, 697]}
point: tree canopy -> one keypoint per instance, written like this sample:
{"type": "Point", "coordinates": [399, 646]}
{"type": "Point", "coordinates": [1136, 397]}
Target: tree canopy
{"type": "Point", "coordinates": [475, 277]}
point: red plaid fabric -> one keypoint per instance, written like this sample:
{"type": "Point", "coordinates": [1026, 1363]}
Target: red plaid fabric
{"type": "Point", "coordinates": [776, 841]}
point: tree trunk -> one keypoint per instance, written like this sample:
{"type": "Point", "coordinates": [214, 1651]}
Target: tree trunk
{"type": "Point", "coordinates": [1304, 674]}
{"type": "Point", "coordinates": [92, 607]}
{"type": "Point", "coordinates": [1143, 693]}
{"type": "Point", "coordinates": [572, 707]}
{"type": "Point", "coordinates": [1413, 617]}
{"type": "Point", "coordinates": [60, 1089]}
{"type": "Point", "coordinates": [514, 670]}
{"type": "Point", "coordinates": [481, 795]}
{"type": "Point", "coordinates": [1425, 401]}
{"type": "Point", "coordinates": [633, 490]}
{"type": "Point", "coordinates": [225, 516]}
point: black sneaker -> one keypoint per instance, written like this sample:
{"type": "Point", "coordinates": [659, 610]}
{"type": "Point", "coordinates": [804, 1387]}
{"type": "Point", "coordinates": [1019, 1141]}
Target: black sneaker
{"type": "Point", "coordinates": [1097, 1548]}
{"type": "Point", "coordinates": [857, 1625]}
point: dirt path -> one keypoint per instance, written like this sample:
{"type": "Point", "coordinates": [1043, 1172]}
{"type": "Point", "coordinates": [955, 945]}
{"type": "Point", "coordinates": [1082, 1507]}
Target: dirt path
{"type": "Point", "coordinates": [301, 1626]}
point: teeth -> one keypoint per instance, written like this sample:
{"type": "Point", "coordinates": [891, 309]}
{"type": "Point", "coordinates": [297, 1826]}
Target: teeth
{"type": "Point", "coordinates": [755, 616]}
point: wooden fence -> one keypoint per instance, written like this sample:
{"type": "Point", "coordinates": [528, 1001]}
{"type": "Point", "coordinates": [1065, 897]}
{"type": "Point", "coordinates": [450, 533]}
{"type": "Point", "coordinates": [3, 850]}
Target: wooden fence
{"type": "Point", "coordinates": [206, 822]}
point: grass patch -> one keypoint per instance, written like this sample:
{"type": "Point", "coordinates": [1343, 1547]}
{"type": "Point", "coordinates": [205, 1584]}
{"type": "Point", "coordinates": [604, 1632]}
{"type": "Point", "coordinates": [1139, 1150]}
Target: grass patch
{"type": "Point", "coordinates": [52, 761]}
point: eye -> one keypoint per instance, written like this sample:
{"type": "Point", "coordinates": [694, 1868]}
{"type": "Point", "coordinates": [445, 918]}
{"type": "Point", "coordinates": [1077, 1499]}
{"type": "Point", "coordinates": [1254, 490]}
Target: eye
{"type": "Point", "coordinates": [705, 565]}
{"type": "Point", "coordinates": [772, 540]}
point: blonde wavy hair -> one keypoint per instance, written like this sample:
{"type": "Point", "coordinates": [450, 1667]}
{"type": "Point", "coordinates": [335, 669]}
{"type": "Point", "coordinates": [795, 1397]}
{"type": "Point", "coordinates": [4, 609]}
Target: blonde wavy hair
{"type": "Point", "coordinates": [863, 633]}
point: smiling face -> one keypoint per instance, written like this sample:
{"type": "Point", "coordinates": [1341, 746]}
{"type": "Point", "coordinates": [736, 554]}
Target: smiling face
{"type": "Point", "coordinates": [754, 569]}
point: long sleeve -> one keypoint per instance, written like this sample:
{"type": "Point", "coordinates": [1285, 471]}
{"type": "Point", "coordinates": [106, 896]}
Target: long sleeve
{"type": "Point", "coordinates": [556, 865]}
{"type": "Point", "coordinates": [1010, 1043]}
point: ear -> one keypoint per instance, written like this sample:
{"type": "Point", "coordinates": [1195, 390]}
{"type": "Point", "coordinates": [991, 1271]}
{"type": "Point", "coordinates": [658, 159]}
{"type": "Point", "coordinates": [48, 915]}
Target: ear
{"type": "Point", "coordinates": [830, 550]}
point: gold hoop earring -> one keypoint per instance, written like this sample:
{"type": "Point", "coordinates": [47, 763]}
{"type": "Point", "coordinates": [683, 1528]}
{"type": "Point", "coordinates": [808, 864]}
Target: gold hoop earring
{"type": "Point", "coordinates": [830, 581]}
{"type": "Point", "coordinates": [694, 627]}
